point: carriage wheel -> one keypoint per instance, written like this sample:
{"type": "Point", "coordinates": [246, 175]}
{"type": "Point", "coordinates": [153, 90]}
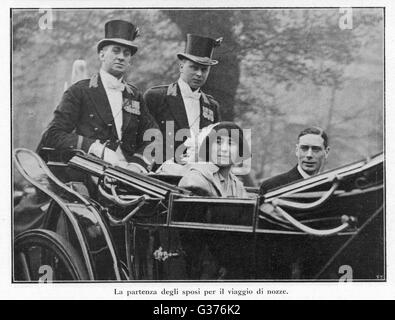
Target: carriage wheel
{"type": "Point", "coordinates": [44, 256]}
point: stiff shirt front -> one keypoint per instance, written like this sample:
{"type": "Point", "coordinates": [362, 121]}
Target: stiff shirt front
{"type": "Point", "coordinates": [113, 88]}
{"type": "Point", "coordinates": [192, 106]}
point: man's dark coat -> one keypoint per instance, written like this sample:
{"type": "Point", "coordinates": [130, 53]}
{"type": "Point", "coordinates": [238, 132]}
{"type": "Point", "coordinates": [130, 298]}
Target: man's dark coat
{"type": "Point", "coordinates": [280, 180]}
{"type": "Point", "coordinates": [84, 115]}
{"type": "Point", "coordinates": [165, 103]}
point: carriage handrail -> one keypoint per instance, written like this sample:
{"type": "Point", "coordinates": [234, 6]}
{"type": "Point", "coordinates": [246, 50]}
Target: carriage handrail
{"type": "Point", "coordinates": [118, 222]}
{"type": "Point", "coordinates": [125, 202]}
{"type": "Point", "coordinates": [346, 222]}
{"type": "Point", "coordinates": [342, 172]}
{"type": "Point", "coordinates": [307, 206]}
{"type": "Point", "coordinates": [125, 222]}
{"type": "Point", "coordinates": [114, 197]}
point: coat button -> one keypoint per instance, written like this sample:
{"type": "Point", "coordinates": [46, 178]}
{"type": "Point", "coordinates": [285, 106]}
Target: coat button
{"type": "Point", "coordinates": [110, 125]}
{"type": "Point", "coordinates": [91, 115]}
{"type": "Point", "coordinates": [95, 128]}
{"type": "Point", "coordinates": [162, 122]}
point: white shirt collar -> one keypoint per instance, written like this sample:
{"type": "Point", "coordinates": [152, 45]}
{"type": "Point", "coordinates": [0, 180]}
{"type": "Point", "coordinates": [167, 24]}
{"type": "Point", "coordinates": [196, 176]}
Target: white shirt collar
{"type": "Point", "coordinates": [304, 174]}
{"type": "Point", "coordinates": [108, 78]}
{"type": "Point", "coordinates": [185, 88]}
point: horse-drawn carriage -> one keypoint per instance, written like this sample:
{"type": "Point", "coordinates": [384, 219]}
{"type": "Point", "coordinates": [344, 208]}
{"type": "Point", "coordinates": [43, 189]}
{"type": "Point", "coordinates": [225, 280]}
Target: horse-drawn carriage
{"type": "Point", "coordinates": [114, 224]}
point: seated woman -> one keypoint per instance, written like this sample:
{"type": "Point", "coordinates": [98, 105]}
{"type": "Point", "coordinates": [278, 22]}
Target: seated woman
{"type": "Point", "coordinates": [212, 255]}
{"type": "Point", "coordinates": [218, 150]}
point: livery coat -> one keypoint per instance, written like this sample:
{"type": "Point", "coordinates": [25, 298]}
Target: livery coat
{"type": "Point", "coordinates": [84, 115]}
{"type": "Point", "coordinates": [165, 103]}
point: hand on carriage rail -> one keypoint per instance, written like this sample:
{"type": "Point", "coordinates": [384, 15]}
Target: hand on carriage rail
{"type": "Point", "coordinates": [347, 221]}
{"type": "Point", "coordinates": [307, 206]}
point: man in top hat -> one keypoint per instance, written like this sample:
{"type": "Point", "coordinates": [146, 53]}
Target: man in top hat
{"type": "Point", "coordinates": [105, 115]}
{"type": "Point", "coordinates": [182, 104]}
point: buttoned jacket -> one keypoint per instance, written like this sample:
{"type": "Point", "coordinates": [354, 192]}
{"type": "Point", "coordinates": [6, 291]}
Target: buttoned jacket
{"type": "Point", "coordinates": [166, 105]}
{"type": "Point", "coordinates": [84, 115]}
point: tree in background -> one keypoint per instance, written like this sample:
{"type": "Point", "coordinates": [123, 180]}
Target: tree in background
{"type": "Point", "coordinates": [43, 59]}
{"type": "Point", "coordinates": [224, 78]}
{"type": "Point", "coordinates": [280, 70]}
{"type": "Point", "coordinates": [287, 52]}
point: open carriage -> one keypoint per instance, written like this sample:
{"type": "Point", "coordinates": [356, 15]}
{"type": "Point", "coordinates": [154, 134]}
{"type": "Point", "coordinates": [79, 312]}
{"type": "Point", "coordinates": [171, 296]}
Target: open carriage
{"type": "Point", "coordinates": [107, 223]}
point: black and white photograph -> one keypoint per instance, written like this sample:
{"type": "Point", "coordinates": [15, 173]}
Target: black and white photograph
{"type": "Point", "coordinates": [192, 147]}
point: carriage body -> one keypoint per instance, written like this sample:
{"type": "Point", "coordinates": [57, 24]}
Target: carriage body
{"type": "Point", "coordinates": [111, 224]}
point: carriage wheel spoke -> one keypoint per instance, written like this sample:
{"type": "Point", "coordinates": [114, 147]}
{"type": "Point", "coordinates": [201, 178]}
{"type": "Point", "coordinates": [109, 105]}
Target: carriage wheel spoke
{"type": "Point", "coordinates": [25, 267]}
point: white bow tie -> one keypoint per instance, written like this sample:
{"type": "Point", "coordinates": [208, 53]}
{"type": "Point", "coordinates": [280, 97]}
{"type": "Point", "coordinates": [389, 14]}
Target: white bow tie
{"type": "Point", "coordinates": [118, 86]}
{"type": "Point", "coordinates": [193, 95]}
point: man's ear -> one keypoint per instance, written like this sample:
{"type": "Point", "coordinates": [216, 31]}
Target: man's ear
{"type": "Point", "coordinates": [296, 150]}
{"type": "Point", "coordinates": [101, 55]}
{"type": "Point", "coordinates": [327, 152]}
{"type": "Point", "coordinates": [181, 65]}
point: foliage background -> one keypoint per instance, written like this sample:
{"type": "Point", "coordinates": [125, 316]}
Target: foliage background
{"type": "Point", "coordinates": [280, 71]}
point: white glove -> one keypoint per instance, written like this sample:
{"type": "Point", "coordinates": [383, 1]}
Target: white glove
{"type": "Point", "coordinates": [109, 156]}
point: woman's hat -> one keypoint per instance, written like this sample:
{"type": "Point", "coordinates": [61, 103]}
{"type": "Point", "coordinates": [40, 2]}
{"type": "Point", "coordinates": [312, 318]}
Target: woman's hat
{"type": "Point", "coordinates": [200, 49]}
{"type": "Point", "coordinates": [119, 32]}
{"type": "Point", "coordinates": [208, 136]}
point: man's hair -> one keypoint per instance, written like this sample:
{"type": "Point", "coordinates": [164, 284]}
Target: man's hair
{"type": "Point", "coordinates": [315, 130]}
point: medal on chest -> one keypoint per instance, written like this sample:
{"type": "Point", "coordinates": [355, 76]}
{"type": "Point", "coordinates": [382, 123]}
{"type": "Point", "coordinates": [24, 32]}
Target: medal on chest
{"type": "Point", "coordinates": [208, 114]}
{"type": "Point", "coordinates": [131, 106]}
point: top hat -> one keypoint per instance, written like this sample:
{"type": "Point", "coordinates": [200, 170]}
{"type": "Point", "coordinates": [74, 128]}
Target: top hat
{"type": "Point", "coordinates": [119, 32]}
{"type": "Point", "coordinates": [200, 49]}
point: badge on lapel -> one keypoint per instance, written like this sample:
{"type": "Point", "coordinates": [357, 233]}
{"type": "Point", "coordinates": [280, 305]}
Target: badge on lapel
{"type": "Point", "coordinates": [133, 108]}
{"type": "Point", "coordinates": [208, 114]}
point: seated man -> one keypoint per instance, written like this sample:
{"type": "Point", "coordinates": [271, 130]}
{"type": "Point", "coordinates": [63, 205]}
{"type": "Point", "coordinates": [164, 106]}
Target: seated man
{"type": "Point", "coordinates": [285, 261]}
{"type": "Point", "coordinates": [311, 151]}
